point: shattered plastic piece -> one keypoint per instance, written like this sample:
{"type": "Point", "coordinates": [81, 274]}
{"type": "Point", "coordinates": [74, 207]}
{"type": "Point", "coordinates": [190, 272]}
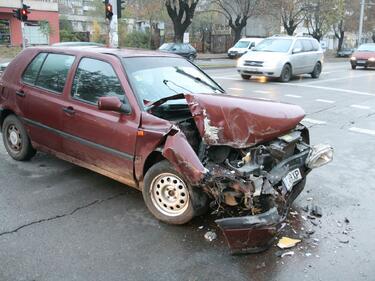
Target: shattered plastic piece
{"type": "Point", "coordinates": [201, 227]}
{"type": "Point", "coordinates": [308, 254]}
{"type": "Point", "coordinates": [286, 242]}
{"type": "Point", "coordinates": [344, 240]}
{"type": "Point", "coordinates": [316, 211]}
{"type": "Point", "coordinates": [262, 265]}
{"type": "Point", "coordinates": [346, 220]}
{"type": "Point", "coordinates": [310, 231]}
{"type": "Point", "coordinates": [286, 254]}
{"type": "Point", "coordinates": [210, 236]}
{"type": "Point", "coordinates": [309, 199]}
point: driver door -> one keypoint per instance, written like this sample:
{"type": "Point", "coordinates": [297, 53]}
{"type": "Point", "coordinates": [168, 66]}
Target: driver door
{"type": "Point", "coordinates": [104, 139]}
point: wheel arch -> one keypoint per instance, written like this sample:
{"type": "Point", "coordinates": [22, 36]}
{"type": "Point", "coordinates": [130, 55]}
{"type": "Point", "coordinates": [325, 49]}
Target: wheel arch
{"type": "Point", "coordinates": [3, 114]}
{"type": "Point", "coordinates": [153, 158]}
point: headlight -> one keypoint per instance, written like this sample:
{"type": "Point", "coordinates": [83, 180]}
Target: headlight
{"type": "Point", "coordinates": [371, 59]}
{"type": "Point", "coordinates": [353, 58]}
{"type": "Point", "coordinates": [320, 155]}
{"type": "Point", "coordinates": [240, 61]}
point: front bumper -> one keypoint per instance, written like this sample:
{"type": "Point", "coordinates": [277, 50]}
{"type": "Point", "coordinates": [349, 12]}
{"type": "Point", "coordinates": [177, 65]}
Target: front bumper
{"type": "Point", "coordinates": [256, 233]}
{"type": "Point", "coordinates": [365, 63]}
{"type": "Point", "coordinates": [274, 71]}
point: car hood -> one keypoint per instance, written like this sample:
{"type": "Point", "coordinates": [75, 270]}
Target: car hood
{"type": "Point", "coordinates": [263, 56]}
{"type": "Point", "coordinates": [364, 55]}
{"type": "Point", "coordinates": [239, 50]}
{"type": "Point", "coordinates": [241, 122]}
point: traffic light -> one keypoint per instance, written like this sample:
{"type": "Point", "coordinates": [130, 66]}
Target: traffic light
{"type": "Point", "coordinates": [17, 14]}
{"type": "Point", "coordinates": [108, 11]}
{"type": "Point", "coordinates": [120, 6]}
{"type": "Point", "coordinates": [24, 12]}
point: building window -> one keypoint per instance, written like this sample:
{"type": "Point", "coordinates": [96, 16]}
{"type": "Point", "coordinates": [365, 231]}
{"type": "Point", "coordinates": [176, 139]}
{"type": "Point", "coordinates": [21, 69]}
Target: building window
{"type": "Point", "coordinates": [4, 32]}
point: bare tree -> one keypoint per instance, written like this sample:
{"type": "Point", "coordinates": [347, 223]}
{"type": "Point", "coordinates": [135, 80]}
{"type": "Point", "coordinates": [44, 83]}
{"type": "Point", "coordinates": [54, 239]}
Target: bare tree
{"type": "Point", "coordinates": [237, 12]}
{"type": "Point", "coordinates": [319, 16]}
{"type": "Point", "coordinates": [292, 14]}
{"type": "Point", "coordinates": [373, 36]}
{"type": "Point", "coordinates": [181, 13]}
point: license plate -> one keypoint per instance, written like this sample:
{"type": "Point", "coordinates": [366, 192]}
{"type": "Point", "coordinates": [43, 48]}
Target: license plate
{"type": "Point", "coordinates": [361, 61]}
{"type": "Point", "coordinates": [291, 178]}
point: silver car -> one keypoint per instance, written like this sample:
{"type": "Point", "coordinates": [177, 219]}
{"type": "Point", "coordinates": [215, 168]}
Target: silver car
{"type": "Point", "coordinates": [283, 57]}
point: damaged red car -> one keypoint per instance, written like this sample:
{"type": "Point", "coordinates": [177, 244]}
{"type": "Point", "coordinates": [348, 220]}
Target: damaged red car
{"type": "Point", "coordinates": [156, 122]}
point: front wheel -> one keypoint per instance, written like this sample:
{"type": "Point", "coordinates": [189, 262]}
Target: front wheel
{"type": "Point", "coordinates": [167, 195]}
{"type": "Point", "coordinates": [245, 77]}
{"type": "Point", "coordinates": [286, 73]}
{"type": "Point", "coordinates": [354, 66]}
{"type": "Point", "coordinates": [16, 140]}
{"type": "Point", "coordinates": [317, 70]}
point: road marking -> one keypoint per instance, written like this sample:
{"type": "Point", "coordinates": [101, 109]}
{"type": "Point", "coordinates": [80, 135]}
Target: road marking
{"type": "Point", "coordinates": [325, 101]}
{"type": "Point", "coordinates": [305, 85]}
{"type": "Point", "coordinates": [360, 106]}
{"type": "Point", "coordinates": [314, 121]}
{"type": "Point", "coordinates": [293, 96]}
{"type": "Point", "coordinates": [340, 78]}
{"type": "Point", "coordinates": [266, 99]}
{"type": "Point", "coordinates": [362, 131]}
{"type": "Point", "coordinates": [262, 92]}
{"type": "Point", "coordinates": [225, 78]}
{"type": "Point", "coordinates": [236, 89]}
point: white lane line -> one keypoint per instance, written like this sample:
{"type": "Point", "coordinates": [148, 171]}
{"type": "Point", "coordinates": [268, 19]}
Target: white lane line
{"type": "Point", "coordinates": [224, 78]}
{"type": "Point", "coordinates": [262, 92]}
{"type": "Point", "coordinates": [314, 121]}
{"type": "Point", "coordinates": [235, 89]}
{"type": "Point", "coordinates": [362, 131]}
{"type": "Point", "coordinates": [293, 96]}
{"type": "Point", "coordinates": [266, 99]}
{"type": "Point", "coordinates": [360, 106]}
{"type": "Point", "coordinates": [340, 78]}
{"type": "Point", "coordinates": [325, 101]}
{"type": "Point", "coordinates": [305, 85]}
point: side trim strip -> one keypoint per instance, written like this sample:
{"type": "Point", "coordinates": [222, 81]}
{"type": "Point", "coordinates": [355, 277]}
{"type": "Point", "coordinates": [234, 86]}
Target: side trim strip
{"type": "Point", "coordinates": [80, 140]}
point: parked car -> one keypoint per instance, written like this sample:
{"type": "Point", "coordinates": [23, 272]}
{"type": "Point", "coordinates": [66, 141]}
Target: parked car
{"type": "Point", "coordinates": [156, 122]}
{"type": "Point", "coordinates": [243, 46]}
{"type": "Point", "coordinates": [364, 56]}
{"type": "Point", "coordinates": [183, 49]}
{"type": "Point", "coordinates": [283, 57]}
{"type": "Point", "coordinates": [345, 52]}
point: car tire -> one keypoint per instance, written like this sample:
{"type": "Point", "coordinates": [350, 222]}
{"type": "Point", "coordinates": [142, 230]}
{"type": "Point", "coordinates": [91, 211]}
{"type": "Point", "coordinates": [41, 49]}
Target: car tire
{"type": "Point", "coordinates": [286, 73]}
{"type": "Point", "coordinates": [167, 194]}
{"type": "Point", "coordinates": [354, 66]}
{"type": "Point", "coordinates": [191, 58]}
{"type": "Point", "coordinates": [16, 140]}
{"type": "Point", "coordinates": [245, 77]}
{"type": "Point", "coordinates": [317, 70]}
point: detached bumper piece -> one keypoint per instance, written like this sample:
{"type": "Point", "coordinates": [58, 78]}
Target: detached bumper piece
{"type": "Point", "coordinates": [251, 234]}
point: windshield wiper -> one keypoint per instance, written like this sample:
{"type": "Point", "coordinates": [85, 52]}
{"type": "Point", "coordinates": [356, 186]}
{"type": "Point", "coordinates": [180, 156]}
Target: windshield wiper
{"type": "Point", "coordinates": [199, 80]}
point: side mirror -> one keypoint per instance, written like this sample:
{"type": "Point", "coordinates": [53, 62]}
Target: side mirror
{"type": "Point", "coordinates": [113, 104]}
{"type": "Point", "coordinates": [297, 50]}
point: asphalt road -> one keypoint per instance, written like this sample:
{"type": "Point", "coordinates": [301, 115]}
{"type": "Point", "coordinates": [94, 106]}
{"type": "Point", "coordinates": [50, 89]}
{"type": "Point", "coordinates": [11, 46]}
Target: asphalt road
{"type": "Point", "coordinates": [62, 222]}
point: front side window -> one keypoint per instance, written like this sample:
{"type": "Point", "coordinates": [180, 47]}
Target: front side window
{"type": "Point", "coordinates": [54, 72]}
{"type": "Point", "coordinates": [242, 44]}
{"type": "Point", "coordinates": [32, 70]}
{"type": "Point", "coordinates": [95, 79]}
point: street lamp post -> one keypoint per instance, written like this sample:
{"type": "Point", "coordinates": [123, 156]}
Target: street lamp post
{"type": "Point", "coordinates": [361, 22]}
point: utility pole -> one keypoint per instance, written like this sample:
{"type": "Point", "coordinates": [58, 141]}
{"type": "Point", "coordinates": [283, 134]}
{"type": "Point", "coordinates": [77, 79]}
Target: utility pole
{"type": "Point", "coordinates": [113, 25]}
{"type": "Point", "coordinates": [361, 22]}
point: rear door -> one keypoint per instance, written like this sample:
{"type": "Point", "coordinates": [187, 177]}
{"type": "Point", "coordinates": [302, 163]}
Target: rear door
{"type": "Point", "coordinates": [104, 139]}
{"type": "Point", "coordinates": [310, 55]}
{"type": "Point", "coordinates": [298, 58]}
{"type": "Point", "coordinates": [41, 95]}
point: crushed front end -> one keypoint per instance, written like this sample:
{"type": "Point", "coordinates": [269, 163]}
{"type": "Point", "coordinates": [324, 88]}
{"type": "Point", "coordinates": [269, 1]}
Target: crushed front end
{"type": "Point", "coordinates": [252, 189]}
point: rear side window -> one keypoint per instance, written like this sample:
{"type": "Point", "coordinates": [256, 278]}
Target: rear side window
{"type": "Point", "coordinates": [94, 79]}
{"type": "Point", "coordinates": [31, 72]}
{"type": "Point", "coordinates": [54, 72]}
{"type": "Point", "coordinates": [315, 45]}
{"type": "Point", "coordinates": [307, 45]}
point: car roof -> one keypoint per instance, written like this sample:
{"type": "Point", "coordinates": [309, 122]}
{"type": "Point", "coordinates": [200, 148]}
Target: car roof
{"type": "Point", "coordinates": [124, 53]}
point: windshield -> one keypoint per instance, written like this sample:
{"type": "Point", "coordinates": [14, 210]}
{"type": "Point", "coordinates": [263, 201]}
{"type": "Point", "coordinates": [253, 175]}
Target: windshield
{"type": "Point", "coordinates": [367, 48]}
{"type": "Point", "coordinates": [166, 46]}
{"type": "Point", "coordinates": [154, 78]}
{"type": "Point", "coordinates": [274, 45]}
{"type": "Point", "coordinates": [242, 44]}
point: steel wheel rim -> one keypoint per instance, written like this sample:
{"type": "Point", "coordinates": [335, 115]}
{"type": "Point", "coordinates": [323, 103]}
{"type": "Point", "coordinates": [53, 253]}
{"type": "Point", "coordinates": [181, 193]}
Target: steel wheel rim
{"type": "Point", "coordinates": [169, 194]}
{"type": "Point", "coordinates": [14, 138]}
{"type": "Point", "coordinates": [318, 68]}
{"type": "Point", "coordinates": [286, 73]}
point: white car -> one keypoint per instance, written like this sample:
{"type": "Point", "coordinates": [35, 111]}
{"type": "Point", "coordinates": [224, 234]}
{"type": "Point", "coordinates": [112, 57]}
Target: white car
{"type": "Point", "coordinates": [283, 57]}
{"type": "Point", "coordinates": [243, 46]}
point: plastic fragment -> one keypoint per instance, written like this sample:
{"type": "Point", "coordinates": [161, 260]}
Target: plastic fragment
{"type": "Point", "coordinates": [286, 242]}
{"type": "Point", "coordinates": [286, 254]}
{"type": "Point", "coordinates": [210, 236]}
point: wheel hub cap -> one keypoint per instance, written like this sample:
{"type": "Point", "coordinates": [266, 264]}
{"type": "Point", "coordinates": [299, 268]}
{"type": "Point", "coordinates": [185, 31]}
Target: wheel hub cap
{"type": "Point", "coordinates": [169, 194]}
{"type": "Point", "coordinates": [13, 136]}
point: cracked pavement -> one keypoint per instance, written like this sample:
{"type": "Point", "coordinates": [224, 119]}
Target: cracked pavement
{"type": "Point", "coordinates": [62, 222]}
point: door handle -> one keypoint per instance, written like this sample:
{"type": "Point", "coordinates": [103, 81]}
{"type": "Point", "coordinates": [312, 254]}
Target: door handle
{"type": "Point", "coordinates": [69, 110]}
{"type": "Point", "coordinates": [20, 94]}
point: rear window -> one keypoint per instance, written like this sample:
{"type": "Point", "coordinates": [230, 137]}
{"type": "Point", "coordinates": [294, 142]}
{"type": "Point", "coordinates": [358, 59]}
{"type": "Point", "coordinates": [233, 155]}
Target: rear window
{"type": "Point", "coordinates": [54, 72]}
{"type": "Point", "coordinates": [31, 72]}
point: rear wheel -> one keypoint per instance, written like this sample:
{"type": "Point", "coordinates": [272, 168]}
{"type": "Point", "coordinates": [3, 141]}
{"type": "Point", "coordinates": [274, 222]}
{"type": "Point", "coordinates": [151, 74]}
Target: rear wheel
{"type": "Point", "coordinates": [167, 195]}
{"type": "Point", "coordinates": [286, 73]}
{"type": "Point", "coordinates": [246, 77]}
{"type": "Point", "coordinates": [191, 58]}
{"type": "Point", "coordinates": [16, 140]}
{"type": "Point", "coordinates": [317, 70]}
